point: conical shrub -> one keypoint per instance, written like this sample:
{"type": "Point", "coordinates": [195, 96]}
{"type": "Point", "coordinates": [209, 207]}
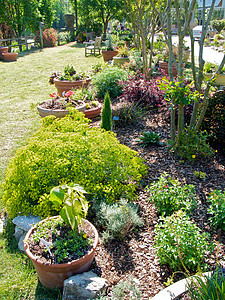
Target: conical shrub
{"type": "Point", "coordinates": [107, 113]}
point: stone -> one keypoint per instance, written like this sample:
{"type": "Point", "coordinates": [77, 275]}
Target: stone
{"type": "Point", "coordinates": [84, 286]}
{"type": "Point", "coordinates": [25, 222]}
{"type": "Point", "coordinates": [1, 225]}
{"type": "Point", "coordinates": [18, 233]}
{"type": "Point", "coordinates": [20, 244]}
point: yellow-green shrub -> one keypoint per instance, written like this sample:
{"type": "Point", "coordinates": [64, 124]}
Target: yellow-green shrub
{"type": "Point", "coordinates": [67, 150]}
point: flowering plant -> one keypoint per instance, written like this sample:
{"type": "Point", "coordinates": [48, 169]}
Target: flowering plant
{"type": "Point", "coordinates": [69, 74]}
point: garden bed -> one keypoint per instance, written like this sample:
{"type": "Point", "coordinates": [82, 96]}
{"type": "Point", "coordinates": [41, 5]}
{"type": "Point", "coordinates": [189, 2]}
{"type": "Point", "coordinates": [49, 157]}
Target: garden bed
{"type": "Point", "coordinates": [135, 254]}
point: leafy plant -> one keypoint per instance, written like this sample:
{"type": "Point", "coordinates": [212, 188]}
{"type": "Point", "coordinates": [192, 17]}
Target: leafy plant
{"type": "Point", "coordinates": [180, 244]}
{"type": "Point", "coordinates": [108, 81]}
{"type": "Point", "coordinates": [107, 113]}
{"type": "Point", "coordinates": [123, 51]}
{"type": "Point", "coordinates": [209, 287]}
{"type": "Point", "coordinates": [192, 144]}
{"type": "Point", "coordinates": [118, 219]}
{"type": "Point", "coordinates": [149, 138]}
{"type": "Point", "coordinates": [64, 244]}
{"type": "Point", "coordinates": [217, 209]}
{"type": "Point", "coordinates": [126, 288]}
{"type": "Point", "coordinates": [199, 174]}
{"type": "Point", "coordinates": [128, 114]}
{"type": "Point", "coordinates": [142, 91]}
{"type": "Point", "coordinates": [70, 200]}
{"type": "Point", "coordinates": [169, 195]}
{"type": "Point", "coordinates": [49, 36]}
{"type": "Point", "coordinates": [67, 150]}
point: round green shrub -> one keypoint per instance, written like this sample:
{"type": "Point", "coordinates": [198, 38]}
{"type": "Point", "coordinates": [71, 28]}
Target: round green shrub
{"type": "Point", "coordinates": [68, 150]}
{"type": "Point", "coordinates": [108, 81]}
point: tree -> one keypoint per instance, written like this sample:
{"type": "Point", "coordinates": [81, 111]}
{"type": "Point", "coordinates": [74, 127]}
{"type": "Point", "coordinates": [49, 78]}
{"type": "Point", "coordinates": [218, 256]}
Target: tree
{"type": "Point", "coordinates": [183, 25]}
{"type": "Point", "coordinates": [101, 10]}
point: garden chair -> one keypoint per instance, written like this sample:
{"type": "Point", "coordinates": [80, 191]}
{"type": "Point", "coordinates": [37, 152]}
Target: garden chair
{"type": "Point", "coordinates": [92, 47]}
{"type": "Point", "coordinates": [89, 36]}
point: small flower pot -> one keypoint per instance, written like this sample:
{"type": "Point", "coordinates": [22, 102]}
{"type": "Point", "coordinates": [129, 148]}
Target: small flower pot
{"type": "Point", "coordinates": [3, 50]}
{"type": "Point", "coordinates": [66, 85]}
{"type": "Point", "coordinates": [93, 112]}
{"type": "Point", "coordinates": [10, 56]}
{"type": "Point", "coordinates": [109, 55]}
{"type": "Point", "coordinates": [53, 276]}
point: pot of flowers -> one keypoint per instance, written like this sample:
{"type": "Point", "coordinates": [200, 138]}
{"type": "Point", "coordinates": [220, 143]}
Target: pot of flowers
{"type": "Point", "coordinates": [57, 106]}
{"type": "Point", "coordinates": [110, 50]}
{"type": "Point", "coordinates": [210, 69]}
{"type": "Point", "coordinates": [122, 56]}
{"type": "Point", "coordinates": [69, 80]}
{"type": "Point", "coordinates": [3, 50]}
{"type": "Point", "coordinates": [63, 245]}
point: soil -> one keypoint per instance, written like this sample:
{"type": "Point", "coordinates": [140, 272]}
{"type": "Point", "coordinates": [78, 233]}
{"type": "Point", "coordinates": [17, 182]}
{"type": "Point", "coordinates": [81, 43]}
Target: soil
{"type": "Point", "coordinates": [60, 103]}
{"type": "Point", "coordinates": [135, 254]}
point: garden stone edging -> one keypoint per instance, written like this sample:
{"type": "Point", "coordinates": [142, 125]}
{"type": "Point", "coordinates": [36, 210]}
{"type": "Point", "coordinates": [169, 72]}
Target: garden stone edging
{"type": "Point", "coordinates": [176, 289]}
{"type": "Point", "coordinates": [23, 224]}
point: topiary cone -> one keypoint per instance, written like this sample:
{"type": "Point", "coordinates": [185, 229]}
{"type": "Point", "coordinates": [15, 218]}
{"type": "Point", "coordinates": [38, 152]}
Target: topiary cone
{"type": "Point", "coordinates": [107, 113]}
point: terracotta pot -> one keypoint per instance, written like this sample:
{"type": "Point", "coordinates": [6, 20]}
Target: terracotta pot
{"type": "Point", "coordinates": [219, 80]}
{"type": "Point", "coordinates": [93, 112]}
{"type": "Point", "coordinates": [53, 276]}
{"type": "Point", "coordinates": [66, 85]}
{"type": "Point", "coordinates": [59, 113]}
{"type": "Point", "coordinates": [3, 50]}
{"type": "Point", "coordinates": [163, 65]}
{"type": "Point", "coordinates": [120, 60]}
{"type": "Point", "coordinates": [10, 56]}
{"type": "Point", "coordinates": [108, 55]}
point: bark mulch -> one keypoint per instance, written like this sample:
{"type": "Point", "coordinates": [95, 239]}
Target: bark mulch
{"type": "Point", "coordinates": [135, 255]}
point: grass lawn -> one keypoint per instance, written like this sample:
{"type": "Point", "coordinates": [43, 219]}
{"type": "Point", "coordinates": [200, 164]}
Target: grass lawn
{"type": "Point", "coordinates": [23, 85]}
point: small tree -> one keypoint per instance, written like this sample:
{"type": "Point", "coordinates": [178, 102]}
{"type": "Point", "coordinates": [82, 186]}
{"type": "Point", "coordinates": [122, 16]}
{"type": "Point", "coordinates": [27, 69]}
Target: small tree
{"type": "Point", "coordinates": [107, 113]}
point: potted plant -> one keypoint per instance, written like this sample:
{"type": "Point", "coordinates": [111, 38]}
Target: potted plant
{"type": "Point", "coordinates": [209, 70]}
{"type": "Point", "coordinates": [3, 50]}
{"type": "Point", "coordinates": [63, 245]}
{"type": "Point", "coordinates": [57, 106]}
{"type": "Point", "coordinates": [93, 107]}
{"type": "Point", "coordinates": [69, 80]}
{"type": "Point", "coordinates": [163, 64]}
{"type": "Point", "coordinates": [110, 50]}
{"type": "Point", "coordinates": [10, 56]}
{"type": "Point", "coordinates": [122, 56]}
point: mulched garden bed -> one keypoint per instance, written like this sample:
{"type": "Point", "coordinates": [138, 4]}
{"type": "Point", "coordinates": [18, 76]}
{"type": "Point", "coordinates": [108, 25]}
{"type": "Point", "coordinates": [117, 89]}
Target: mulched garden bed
{"type": "Point", "coordinates": [135, 255]}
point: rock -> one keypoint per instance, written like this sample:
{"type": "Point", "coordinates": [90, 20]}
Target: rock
{"type": "Point", "coordinates": [83, 286]}
{"type": "Point", "coordinates": [1, 225]}
{"type": "Point", "coordinates": [25, 223]}
{"type": "Point", "coordinates": [20, 244]}
{"type": "Point", "coordinates": [18, 233]}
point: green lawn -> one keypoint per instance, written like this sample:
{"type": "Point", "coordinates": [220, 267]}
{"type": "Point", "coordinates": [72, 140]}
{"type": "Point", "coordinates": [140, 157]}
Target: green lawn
{"type": "Point", "coordinates": [23, 84]}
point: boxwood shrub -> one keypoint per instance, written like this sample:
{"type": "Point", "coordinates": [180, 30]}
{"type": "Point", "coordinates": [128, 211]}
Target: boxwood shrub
{"type": "Point", "coordinates": [68, 150]}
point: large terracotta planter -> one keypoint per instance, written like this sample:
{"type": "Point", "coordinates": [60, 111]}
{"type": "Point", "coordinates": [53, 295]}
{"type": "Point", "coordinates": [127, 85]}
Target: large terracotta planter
{"type": "Point", "coordinates": [58, 113]}
{"type": "Point", "coordinates": [10, 56]}
{"type": "Point", "coordinates": [53, 276]}
{"type": "Point", "coordinates": [163, 65]}
{"type": "Point", "coordinates": [219, 80]}
{"type": "Point", "coordinates": [93, 112]}
{"type": "Point", "coordinates": [66, 85]}
{"type": "Point", "coordinates": [3, 50]}
{"type": "Point", "coordinates": [108, 55]}
{"type": "Point", "coordinates": [120, 60]}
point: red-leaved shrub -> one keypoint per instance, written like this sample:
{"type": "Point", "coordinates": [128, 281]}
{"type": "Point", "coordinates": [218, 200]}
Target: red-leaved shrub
{"type": "Point", "coordinates": [49, 37]}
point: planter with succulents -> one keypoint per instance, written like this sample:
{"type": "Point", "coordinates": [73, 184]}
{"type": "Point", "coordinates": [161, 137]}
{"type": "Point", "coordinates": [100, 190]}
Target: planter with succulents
{"type": "Point", "coordinates": [69, 80]}
{"type": "Point", "coordinates": [57, 106]}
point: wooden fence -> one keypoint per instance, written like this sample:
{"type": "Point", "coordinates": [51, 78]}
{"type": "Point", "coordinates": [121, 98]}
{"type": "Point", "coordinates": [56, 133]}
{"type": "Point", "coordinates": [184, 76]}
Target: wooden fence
{"type": "Point", "coordinates": [19, 42]}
